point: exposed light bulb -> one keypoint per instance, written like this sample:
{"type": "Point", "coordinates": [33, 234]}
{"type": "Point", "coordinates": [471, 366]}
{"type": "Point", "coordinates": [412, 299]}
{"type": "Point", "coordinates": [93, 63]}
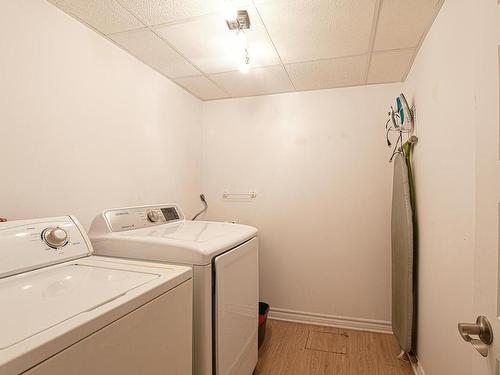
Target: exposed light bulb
{"type": "Point", "coordinates": [241, 48]}
{"type": "Point", "coordinates": [244, 67]}
{"type": "Point", "coordinates": [241, 40]}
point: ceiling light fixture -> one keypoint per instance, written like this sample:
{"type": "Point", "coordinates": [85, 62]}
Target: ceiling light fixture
{"type": "Point", "coordinates": [239, 24]}
{"type": "Point", "coordinates": [237, 19]}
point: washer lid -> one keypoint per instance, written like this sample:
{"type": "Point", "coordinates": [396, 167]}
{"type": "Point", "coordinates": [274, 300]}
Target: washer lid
{"type": "Point", "coordinates": [41, 299]}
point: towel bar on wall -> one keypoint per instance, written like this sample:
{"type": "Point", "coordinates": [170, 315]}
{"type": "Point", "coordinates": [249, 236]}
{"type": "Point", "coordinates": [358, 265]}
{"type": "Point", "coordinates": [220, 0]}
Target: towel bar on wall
{"type": "Point", "coordinates": [239, 196]}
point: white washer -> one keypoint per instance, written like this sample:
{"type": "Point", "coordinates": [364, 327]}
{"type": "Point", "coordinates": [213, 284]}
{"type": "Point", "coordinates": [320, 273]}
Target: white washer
{"type": "Point", "coordinates": [225, 263]}
{"type": "Point", "coordinates": [65, 311]}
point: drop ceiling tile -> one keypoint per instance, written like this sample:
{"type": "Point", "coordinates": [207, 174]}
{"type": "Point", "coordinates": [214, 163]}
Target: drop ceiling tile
{"type": "Point", "coordinates": [323, 74]}
{"type": "Point", "coordinates": [305, 30]}
{"type": "Point", "coordinates": [390, 66]}
{"type": "Point", "coordinates": [107, 16]}
{"type": "Point", "coordinates": [402, 23]}
{"type": "Point", "coordinates": [153, 51]}
{"type": "Point", "coordinates": [259, 81]}
{"type": "Point", "coordinates": [211, 46]}
{"type": "Point", "coordinates": [202, 87]}
{"type": "Point", "coordinates": [155, 12]}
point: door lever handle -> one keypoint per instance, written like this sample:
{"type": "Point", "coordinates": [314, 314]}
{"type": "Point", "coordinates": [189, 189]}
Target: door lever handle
{"type": "Point", "coordinates": [482, 329]}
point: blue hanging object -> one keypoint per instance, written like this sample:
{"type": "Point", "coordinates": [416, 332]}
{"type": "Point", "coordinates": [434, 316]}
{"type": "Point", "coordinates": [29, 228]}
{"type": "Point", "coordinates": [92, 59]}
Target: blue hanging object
{"type": "Point", "coordinates": [400, 110]}
{"type": "Point", "coordinates": [401, 117]}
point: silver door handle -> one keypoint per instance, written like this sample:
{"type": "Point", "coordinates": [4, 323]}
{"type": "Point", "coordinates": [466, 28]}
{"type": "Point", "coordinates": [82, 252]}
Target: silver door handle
{"type": "Point", "coordinates": [482, 329]}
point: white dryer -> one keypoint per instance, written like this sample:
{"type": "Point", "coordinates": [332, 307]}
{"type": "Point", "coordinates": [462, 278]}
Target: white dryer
{"type": "Point", "coordinates": [65, 311]}
{"type": "Point", "coordinates": [225, 263]}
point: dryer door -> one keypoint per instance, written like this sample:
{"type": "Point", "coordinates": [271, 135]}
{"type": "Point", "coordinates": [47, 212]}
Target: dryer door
{"type": "Point", "coordinates": [236, 309]}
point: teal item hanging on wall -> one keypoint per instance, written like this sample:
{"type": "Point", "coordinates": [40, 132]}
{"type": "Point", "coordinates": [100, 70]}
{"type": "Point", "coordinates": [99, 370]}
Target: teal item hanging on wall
{"type": "Point", "coordinates": [400, 110]}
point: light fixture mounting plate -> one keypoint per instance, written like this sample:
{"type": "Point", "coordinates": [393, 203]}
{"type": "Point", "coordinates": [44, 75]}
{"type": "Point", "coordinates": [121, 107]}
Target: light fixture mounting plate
{"type": "Point", "coordinates": [242, 21]}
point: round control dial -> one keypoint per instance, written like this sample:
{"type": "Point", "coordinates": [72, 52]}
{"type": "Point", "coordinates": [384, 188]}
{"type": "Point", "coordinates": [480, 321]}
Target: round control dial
{"type": "Point", "coordinates": [152, 216]}
{"type": "Point", "coordinates": [55, 237]}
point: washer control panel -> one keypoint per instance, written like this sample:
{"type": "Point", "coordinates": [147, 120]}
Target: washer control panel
{"type": "Point", "coordinates": [28, 244]}
{"type": "Point", "coordinates": [129, 218]}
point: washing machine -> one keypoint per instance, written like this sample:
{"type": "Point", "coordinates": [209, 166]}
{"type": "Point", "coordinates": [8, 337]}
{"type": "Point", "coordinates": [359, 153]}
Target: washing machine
{"type": "Point", "coordinates": [66, 311]}
{"type": "Point", "coordinates": [225, 262]}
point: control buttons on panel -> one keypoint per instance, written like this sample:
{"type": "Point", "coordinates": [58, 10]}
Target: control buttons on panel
{"type": "Point", "coordinates": [152, 216]}
{"type": "Point", "coordinates": [55, 237]}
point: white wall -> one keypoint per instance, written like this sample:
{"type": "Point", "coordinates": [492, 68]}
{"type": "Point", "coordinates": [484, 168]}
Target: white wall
{"type": "Point", "coordinates": [319, 165]}
{"type": "Point", "coordinates": [441, 84]}
{"type": "Point", "coordinates": [85, 126]}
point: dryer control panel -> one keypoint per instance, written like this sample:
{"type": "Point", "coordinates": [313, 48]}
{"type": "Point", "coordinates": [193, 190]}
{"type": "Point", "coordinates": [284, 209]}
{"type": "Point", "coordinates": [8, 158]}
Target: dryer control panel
{"type": "Point", "coordinates": [129, 218]}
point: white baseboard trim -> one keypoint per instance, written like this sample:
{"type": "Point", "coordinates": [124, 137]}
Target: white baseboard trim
{"type": "Point", "coordinates": [358, 324]}
{"type": "Point", "coordinates": [417, 368]}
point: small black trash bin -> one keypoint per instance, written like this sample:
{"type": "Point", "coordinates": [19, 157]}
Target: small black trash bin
{"type": "Point", "coordinates": [263, 311]}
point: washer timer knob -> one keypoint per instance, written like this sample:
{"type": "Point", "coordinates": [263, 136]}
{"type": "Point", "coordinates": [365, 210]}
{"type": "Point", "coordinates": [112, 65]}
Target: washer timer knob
{"type": "Point", "coordinates": [152, 216]}
{"type": "Point", "coordinates": [55, 237]}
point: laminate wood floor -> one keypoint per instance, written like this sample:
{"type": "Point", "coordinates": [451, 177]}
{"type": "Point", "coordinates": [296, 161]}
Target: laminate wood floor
{"type": "Point", "coordinates": [302, 349]}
